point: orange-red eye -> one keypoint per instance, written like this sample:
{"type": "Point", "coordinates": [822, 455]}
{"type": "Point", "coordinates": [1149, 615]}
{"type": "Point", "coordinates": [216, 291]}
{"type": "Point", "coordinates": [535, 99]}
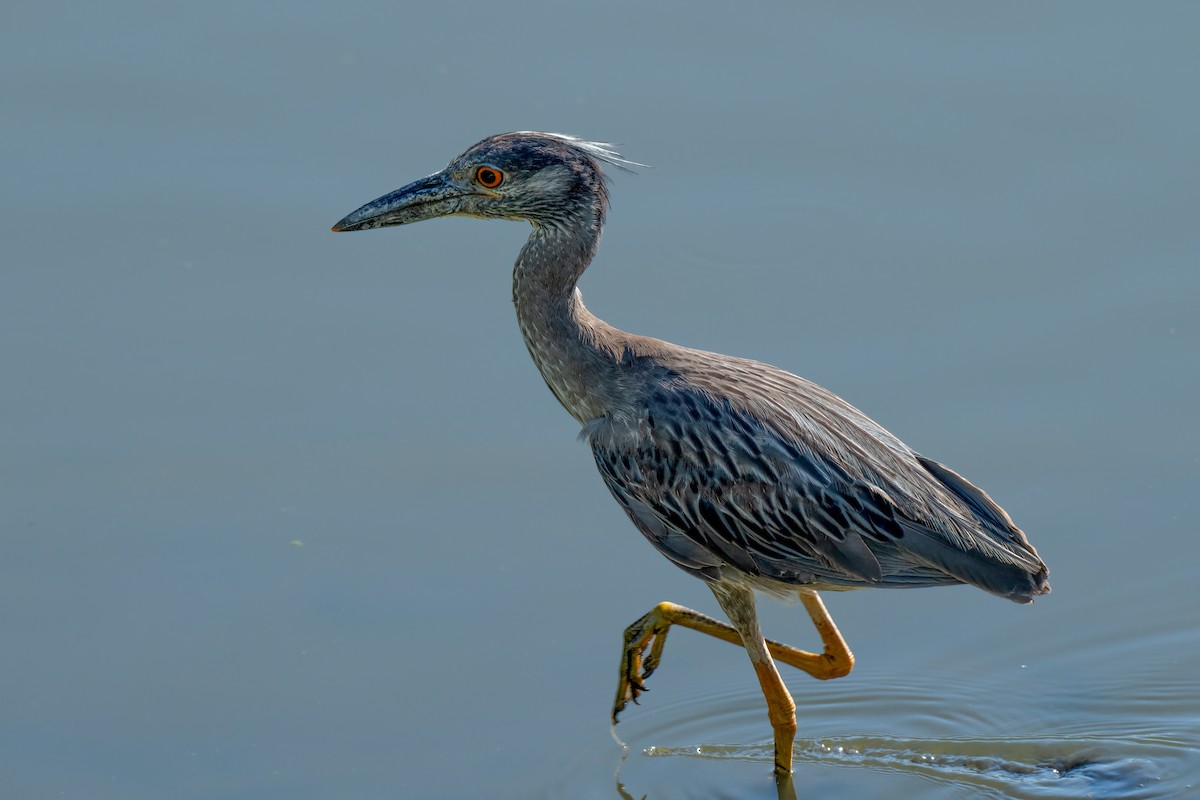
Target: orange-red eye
{"type": "Point", "coordinates": [489, 177]}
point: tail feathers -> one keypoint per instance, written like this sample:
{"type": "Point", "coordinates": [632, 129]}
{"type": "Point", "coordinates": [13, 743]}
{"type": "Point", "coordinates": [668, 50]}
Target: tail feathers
{"type": "Point", "coordinates": [1012, 570]}
{"type": "Point", "coordinates": [1015, 581]}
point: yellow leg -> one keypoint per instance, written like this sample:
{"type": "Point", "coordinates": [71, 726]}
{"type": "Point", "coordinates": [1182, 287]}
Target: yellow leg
{"type": "Point", "coordinates": [651, 632]}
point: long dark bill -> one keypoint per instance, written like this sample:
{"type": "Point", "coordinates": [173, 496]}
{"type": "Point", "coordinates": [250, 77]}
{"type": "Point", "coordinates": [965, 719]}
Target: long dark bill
{"type": "Point", "coordinates": [427, 198]}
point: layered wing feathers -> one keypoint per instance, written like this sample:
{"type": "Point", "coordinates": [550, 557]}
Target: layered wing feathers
{"type": "Point", "coordinates": [756, 470]}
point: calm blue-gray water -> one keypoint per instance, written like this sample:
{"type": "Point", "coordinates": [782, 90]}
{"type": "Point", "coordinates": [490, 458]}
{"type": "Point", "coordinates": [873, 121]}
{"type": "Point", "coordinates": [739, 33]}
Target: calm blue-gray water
{"type": "Point", "coordinates": [291, 515]}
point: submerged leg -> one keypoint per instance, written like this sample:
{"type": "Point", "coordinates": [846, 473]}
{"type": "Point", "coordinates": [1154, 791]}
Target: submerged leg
{"type": "Point", "coordinates": [651, 632]}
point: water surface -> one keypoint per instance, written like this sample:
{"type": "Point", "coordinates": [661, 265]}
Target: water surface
{"type": "Point", "coordinates": [291, 515]}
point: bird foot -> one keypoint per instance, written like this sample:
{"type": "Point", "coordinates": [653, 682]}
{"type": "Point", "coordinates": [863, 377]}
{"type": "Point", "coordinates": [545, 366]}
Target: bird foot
{"type": "Point", "coordinates": [649, 632]}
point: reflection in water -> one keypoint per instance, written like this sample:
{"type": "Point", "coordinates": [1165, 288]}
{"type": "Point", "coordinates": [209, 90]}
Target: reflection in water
{"type": "Point", "coordinates": [785, 787]}
{"type": "Point", "coordinates": [1020, 768]}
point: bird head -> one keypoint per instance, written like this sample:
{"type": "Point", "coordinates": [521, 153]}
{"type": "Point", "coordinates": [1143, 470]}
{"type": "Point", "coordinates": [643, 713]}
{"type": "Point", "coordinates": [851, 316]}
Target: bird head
{"type": "Point", "coordinates": [543, 178]}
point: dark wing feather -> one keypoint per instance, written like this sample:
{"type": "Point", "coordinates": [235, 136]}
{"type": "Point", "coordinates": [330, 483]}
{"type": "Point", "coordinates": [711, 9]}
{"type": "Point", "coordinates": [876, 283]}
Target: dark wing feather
{"type": "Point", "coordinates": [715, 485]}
{"type": "Point", "coordinates": [716, 490]}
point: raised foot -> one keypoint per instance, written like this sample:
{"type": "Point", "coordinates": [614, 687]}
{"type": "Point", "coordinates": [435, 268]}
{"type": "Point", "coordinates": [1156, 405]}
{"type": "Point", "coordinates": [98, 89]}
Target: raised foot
{"type": "Point", "coordinates": [636, 666]}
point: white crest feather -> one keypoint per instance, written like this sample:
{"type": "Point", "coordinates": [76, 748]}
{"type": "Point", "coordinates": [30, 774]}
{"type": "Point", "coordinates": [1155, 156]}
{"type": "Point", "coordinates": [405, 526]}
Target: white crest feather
{"type": "Point", "coordinates": [601, 151]}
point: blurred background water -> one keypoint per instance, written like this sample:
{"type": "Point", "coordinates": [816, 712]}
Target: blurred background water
{"type": "Point", "coordinates": [290, 515]}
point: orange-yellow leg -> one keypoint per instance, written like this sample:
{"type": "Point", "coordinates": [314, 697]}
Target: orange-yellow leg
{"type": "Point", "coordinates": [651, 632]}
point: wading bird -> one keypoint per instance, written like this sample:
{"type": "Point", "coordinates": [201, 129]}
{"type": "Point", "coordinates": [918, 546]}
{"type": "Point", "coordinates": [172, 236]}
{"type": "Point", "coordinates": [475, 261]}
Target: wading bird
{"type": "Point", "coordinates": [742, 474]}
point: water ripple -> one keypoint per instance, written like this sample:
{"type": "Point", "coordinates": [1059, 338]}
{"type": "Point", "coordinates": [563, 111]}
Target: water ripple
{"type": "Point", "coordinates": [1032, 768]}
{"type": "Point", "coordinates": [1114, 714]}
{"type": "Point", "coordinates": [942, 733]}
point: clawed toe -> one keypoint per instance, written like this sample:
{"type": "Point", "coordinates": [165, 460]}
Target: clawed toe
{"type": "Point", "coordinates": [647, 633]}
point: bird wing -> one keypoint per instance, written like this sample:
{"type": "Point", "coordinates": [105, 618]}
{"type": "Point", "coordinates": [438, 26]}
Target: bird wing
{"type": "Point", "coordinates": [801, 488]}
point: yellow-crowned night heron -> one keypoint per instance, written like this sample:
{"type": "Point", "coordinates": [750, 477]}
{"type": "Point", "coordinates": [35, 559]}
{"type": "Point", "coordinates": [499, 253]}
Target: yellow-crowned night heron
{"type": "Point", "coordinates": [744, 475]}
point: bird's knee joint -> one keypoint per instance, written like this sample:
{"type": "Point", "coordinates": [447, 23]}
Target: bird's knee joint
{"type": "Point", "coordinates": [837, 667]}
{"type": "Point", "coordinates": [662, 609]}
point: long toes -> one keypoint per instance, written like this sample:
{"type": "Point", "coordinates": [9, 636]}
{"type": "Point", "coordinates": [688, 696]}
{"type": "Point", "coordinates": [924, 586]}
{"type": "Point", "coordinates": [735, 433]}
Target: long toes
{"type": "Point", "coordinates": [636, 667]}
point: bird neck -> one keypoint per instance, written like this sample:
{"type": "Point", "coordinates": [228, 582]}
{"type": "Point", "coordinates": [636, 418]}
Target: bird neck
{"type": "Point", "coordinates": [575, 351]}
